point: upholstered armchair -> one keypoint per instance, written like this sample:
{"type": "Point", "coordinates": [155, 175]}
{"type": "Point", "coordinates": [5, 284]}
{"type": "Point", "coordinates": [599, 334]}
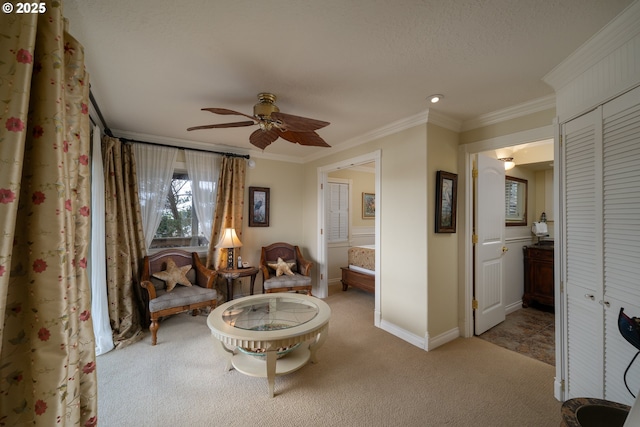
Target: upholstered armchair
{"type": "Point", "coordinates": [176, 281]}
{"type": "Point", "coordinates": [284, 269]}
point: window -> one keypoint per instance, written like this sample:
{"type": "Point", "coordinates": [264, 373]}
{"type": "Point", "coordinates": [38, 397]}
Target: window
{"type": "Point", "coordinates": [179, 223]}
{"type": "Point", "coordinates": [515, 190]}
{"type": "Point", "coordinates": [338, 218]}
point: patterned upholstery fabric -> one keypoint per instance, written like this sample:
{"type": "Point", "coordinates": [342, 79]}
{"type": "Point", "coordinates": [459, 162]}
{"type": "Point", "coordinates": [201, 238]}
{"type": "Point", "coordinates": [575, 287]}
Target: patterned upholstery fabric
{"type": "Point", "coordinates": [180, 296]}
{"type": "Point", "coordinates": [286, 281]}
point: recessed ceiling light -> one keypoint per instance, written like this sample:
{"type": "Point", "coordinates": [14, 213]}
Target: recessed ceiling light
{"type": "Point", "coordinates": [435, 98]}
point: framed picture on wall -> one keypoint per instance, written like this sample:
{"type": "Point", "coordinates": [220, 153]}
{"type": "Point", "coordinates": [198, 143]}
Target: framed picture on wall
{"type": "Point", "coordinates": [368, 205]}
{"type": "Point", "coordinates": [258, 207]}
{"type": "Point", "coordinates": [446, 201]}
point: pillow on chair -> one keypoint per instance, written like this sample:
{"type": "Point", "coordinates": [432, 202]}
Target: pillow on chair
{"type": "Point", "coordinates": [174, 275]}
{"type": "Point", "coordinates": [282, 267]}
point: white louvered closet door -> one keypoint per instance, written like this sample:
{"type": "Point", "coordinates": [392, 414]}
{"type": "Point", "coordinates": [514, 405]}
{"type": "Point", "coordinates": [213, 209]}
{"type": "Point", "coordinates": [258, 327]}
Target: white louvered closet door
{"type": "Point", "coordinates": [602, 247]}
{"type": "Point", "coordinates": [583, 252]}
{"type": "Point", "coordinates": [621, 218]}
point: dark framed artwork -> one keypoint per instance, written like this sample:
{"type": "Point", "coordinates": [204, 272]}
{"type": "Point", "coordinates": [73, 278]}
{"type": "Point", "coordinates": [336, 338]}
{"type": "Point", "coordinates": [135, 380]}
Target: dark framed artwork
{"type": "Point", "coordinates": [258, 207]}
{"type": "Point", "coordinates": [446, 201]}
{"type": "Point", "coordinates": [368, 205]}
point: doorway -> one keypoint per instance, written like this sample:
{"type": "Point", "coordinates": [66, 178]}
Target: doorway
{"type": "Point", "coordinates": [466, 154]}
{"type": "Point", "coordinates": [373, 159]}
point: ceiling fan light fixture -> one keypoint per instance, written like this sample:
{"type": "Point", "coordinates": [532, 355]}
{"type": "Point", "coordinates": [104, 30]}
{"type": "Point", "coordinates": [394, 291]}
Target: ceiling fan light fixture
{"type": "Point", "coordinates": [272, 124]}
{"type": "Point", "coordinates": [265, 106]}
{"type": "Point", "coordinates": [435, 98]}
{"type": "Point", "coordinates": [508, 163]}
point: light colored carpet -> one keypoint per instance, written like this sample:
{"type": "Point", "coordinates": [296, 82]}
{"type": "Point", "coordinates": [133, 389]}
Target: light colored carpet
{"type": "Point", "coordinates": [364, 377]}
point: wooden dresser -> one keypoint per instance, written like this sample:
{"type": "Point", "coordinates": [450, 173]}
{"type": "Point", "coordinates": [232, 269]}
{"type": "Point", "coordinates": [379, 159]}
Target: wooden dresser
{"type": "Point", "coordinates": [538, 275]}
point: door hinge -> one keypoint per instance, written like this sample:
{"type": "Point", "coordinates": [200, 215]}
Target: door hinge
{"type": "Point", "coordinates": [474, 173]}
{"type": "Point", "coordinates": [322, 186]}
{"type": "Point", "coordinates": [321, 231]}
{"type": "Point", "coordinates": [474, 304]}
{"type": "Point", "coordinates": [561, 287]}
{"type": "Point", "coordinates": [321, 276]}
{"type": "Point", "coordinates": [560, 140]}
{"type": "Point", "coordinates": [474, 239]}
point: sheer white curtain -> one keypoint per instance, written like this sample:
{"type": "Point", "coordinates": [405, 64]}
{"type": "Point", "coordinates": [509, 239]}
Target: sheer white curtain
{"type": "Point", "coordinates": [204, 171]}
{"type": "Point", "coordinates": [154, 166]}
{"type": "Point", "coordinates": [97, 264]}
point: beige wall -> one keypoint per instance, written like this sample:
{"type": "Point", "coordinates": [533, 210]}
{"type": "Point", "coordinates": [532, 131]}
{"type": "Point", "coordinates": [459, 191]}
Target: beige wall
{"type": "Point", "coordinates": [285, 181]}
{"type": "Point", "coordinates": [419, 269]}
{"type": "Point", "coordinates": [442, 154]}
{"type": "Point", "coordinates": [507, 127]}
{"type": "Point", "coordinates": [401, 204]}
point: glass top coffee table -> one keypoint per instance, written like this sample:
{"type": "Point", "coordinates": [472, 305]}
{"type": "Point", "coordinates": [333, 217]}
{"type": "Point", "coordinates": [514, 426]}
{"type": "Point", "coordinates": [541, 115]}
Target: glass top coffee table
{"type": "Point", "coordinates": [270, 334]}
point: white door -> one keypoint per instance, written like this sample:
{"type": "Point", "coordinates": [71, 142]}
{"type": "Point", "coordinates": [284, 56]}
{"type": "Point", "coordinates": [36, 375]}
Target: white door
{"type": "Point", "coordinates": [489, 227]}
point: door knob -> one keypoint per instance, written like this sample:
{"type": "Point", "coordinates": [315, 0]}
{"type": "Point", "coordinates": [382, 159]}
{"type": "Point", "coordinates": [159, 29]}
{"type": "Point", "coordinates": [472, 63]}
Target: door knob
{"type": "Point", "coordinates": [504, 249]}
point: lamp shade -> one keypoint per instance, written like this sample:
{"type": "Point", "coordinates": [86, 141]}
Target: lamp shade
{"type": "Point", "coordinates": [229, 239]}
{"type": "Point", "coordinates": [508, 163]}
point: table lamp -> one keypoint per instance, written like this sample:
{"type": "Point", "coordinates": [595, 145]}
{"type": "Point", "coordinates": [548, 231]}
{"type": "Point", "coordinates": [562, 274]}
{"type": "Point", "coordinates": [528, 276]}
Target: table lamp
{"type": "Point", "coordinates": [229, 240]}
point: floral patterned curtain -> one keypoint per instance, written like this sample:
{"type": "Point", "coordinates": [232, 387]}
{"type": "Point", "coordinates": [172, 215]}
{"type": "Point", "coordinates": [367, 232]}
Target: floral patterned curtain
{"type": "Point", "coordinates": [124, 243]}
{"type": "Point", "coordinates": [47, 358]}
{"type": "Point", "coordinates": [229, 208]}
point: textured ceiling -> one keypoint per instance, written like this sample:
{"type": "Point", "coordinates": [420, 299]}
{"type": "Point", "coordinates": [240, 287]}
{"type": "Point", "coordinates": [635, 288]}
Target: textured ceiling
{"type": "Point", "coordinates": [359, 64]}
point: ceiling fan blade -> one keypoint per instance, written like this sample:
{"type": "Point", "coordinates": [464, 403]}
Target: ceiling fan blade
{"type": "Point", "coordinates": [298, 123]}
{"type": "Point", "coordinates": [227, 112]}
{"type": "Point", "coordinates": [262, 139]}
{"type": "Point", "coordinates": [223, 125]}
{"type": "Point", "coordinates": [304, 138]}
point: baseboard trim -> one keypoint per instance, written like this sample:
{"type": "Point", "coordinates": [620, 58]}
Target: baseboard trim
{"type": "Point", "coordinates": [513, 307]}
{"type": "Point", "coordinates": [443, 338]}
{"type": "Point", "coordinates": [402, 334]}
{"type": "Point", "coordinates": [426, 343]}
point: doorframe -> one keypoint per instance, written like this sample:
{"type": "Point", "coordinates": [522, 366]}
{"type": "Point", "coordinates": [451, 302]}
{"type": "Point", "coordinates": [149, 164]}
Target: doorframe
{"type": "Point", "coordinates": [465, 154]}
{"type": "Point", "coordinates": [465, 209]}
{"type": "Point", "coordinates": [323, 174]}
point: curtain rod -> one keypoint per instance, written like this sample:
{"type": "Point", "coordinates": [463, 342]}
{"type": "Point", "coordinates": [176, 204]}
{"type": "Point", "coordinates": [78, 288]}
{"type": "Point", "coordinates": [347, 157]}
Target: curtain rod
{"type": "Point", "coordinates": [109, 133]}
{"type": "Point", "coordinates": [243, 156]}
{"type": "Point", "coordinates": [99, 113]}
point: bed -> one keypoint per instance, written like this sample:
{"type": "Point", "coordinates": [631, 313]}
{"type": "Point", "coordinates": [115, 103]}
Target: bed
{"type": "Point", "coordinates": [360, 272]}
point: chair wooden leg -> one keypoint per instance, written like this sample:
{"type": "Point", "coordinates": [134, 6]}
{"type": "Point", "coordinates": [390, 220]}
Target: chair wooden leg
{"type": "Point", "coordinates": [154, 330]}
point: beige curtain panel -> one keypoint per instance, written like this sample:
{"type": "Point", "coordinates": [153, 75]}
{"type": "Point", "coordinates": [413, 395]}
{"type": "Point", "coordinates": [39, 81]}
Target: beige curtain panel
{"type": "Point", "coordinates": [229, 208]}
{"type": "Point", "coordinates": [124, 243]}
{"type": "Point", "coordinates": [47, 358]}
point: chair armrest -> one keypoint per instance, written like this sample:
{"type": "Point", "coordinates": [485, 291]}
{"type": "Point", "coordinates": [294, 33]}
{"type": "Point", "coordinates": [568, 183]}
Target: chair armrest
{"type": "Point", "coordinates": [303, 264]}
{"type": "Point", "coordinates": [265, 272]}
{"type": "Point", "coordinates": [203, 274]}
{"type": "Point", "coordinates": [150, 288]}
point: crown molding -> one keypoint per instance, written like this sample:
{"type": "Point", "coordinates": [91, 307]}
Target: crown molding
{"type": "Point", "coordinates": [428, 116]}
{"type": "Point", "coordinates": [620, 30]}
{"type": "Point", "coordinates": [381, 132]}
{"type": "Point", "coordinates": [440, 119]}
{"type": "Point", "coordinates": [512, 112]}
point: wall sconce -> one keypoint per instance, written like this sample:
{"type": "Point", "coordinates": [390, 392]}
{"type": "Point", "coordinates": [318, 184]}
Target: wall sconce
{"type": "Point", "coordinates": [508, 163]}
{"type": "Point", "coordinates": [228, 241]}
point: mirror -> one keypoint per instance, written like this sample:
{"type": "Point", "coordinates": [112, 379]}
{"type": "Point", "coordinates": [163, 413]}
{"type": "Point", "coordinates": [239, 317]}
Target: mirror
{"type": "Point", "coordinates": [515, 191]}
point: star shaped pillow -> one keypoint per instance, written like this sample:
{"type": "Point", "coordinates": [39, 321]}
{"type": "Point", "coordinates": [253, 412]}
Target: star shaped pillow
{"type": "Point", "coordinates": [174, 275]}
{"type": "Point", "coordinates": [282, 267]}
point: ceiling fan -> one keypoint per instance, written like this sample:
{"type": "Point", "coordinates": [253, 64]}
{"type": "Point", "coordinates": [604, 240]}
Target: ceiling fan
{"type": "Point", "coordinates": [273, 124]}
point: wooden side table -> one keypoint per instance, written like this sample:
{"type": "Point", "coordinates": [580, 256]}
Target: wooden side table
{"type": "Point", "coordinates": [234, 273]}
